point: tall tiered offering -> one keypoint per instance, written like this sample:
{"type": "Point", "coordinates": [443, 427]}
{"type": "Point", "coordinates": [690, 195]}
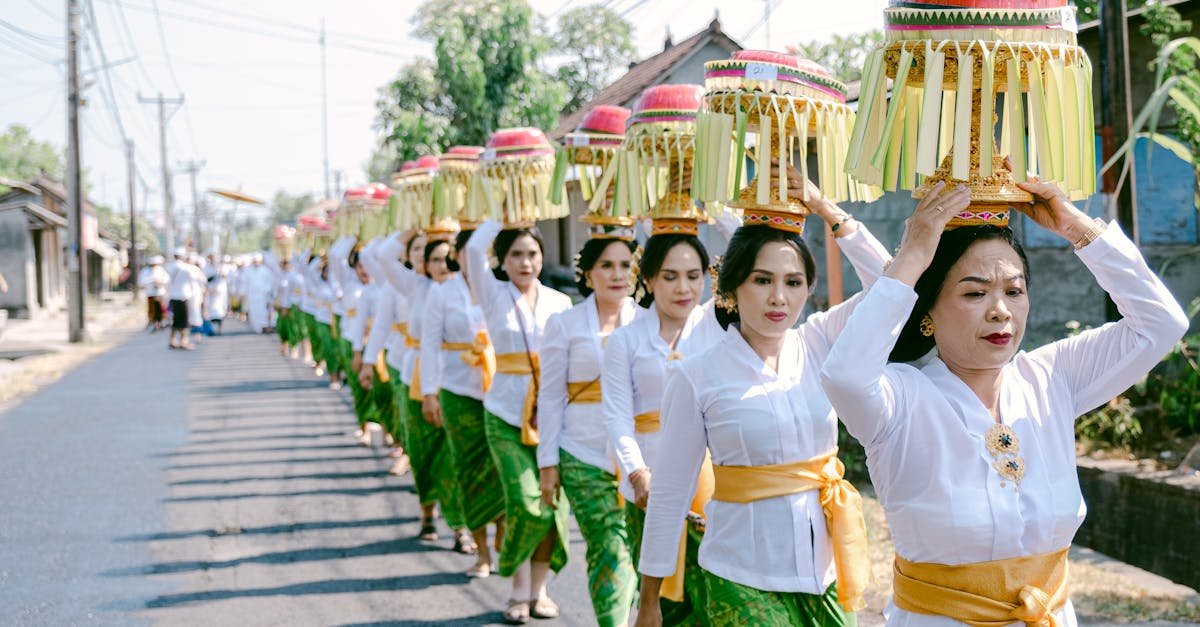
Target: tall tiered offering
{"type": "Point", "coordinates": [363, 212]}
{"type": "Point", "coordinates": [456, 192]}
{"type": "Point", "coordinates": [590, 155]}
{"type": "Point", "coordinates": [655, 178]}
{"type": "Point", "coordinates": [412, 188]}
{"type": "Point", "coordinates": [956, 66]}
{"type": "Point", "coordinates": [786, 102]}
{"type": "Point", "coordinates": [516, 170]}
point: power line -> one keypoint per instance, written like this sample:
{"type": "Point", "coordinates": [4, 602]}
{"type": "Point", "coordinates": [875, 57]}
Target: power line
{"type": "Point", "coordinates": [45, 40]}
{"type": "Point", "coordinates": [162, 40]}
{"type": "Point", "coordinates": [25, 49]}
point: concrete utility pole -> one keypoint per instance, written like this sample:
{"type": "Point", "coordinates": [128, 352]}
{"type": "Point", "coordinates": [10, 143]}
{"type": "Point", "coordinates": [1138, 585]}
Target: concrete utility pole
{"type": "Point", "coordinates": [77, 256]}
{"type": "Point", "coordinates": [131, 175]}
{"type": "Point", "coordinates": [168, 209]}
{"type": "Point", "coordinates": [324, 112]}
{"type": "Point", "coordinates": [192, 168]}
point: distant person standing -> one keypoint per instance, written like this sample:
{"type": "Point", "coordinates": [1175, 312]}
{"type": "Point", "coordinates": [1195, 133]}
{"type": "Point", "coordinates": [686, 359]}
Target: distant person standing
{"type": "Point", "coordinates": [196, 302]}
{"type": "Point", "coordinates": [154, 279]}
{"type": "Point", "coordinates": [217, 298]}
{"type": "Point", "coordinates": [179, 290]}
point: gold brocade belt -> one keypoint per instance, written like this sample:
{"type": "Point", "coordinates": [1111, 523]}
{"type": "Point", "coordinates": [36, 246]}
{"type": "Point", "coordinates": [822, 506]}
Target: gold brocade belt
{"type": "Point", "coordinates": [477, 354]}
{"type": "Point", "coordinates": [986, 594]}
{"type": "Point", "coordinates": [524, 364]}
{"type": "Point", "coordinates": [648, 422]}
{"type": "Point", "coordinates": [840, 501]}
{"type": "Point", "coordinates": [584, 392]}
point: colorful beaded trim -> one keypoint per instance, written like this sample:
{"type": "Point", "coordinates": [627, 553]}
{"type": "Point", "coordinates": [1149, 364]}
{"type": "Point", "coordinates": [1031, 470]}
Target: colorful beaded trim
{"type": "Point", "coordinates": [775, 221]}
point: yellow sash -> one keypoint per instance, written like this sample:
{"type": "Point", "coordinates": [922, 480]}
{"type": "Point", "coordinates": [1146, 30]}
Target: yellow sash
{"type": "Point", "coordinates": [333, 326]}
{"type": "Point", "coordinates": [352, 312]}
{"type": "Point", "coordinates": [414, 390]}
{"type": "Point", "coordinates": [522, 364]}
{"type": "Point", "coordinates": [672, 587]}
{"type": "Point", "coordinates": [648, 422]}
{"type": "Point", "coordinates": [584, 392]}
{"type": "Point", "coordinates": [839, 499]}
{"type": "Point", "coordinates": [381, 370]}
{"type": "Point", "coordinates": [477, 354]}
{"type": "Point", "coordinates": [986, 594]}
{"type": "Point", "coordinates": [400, 327]}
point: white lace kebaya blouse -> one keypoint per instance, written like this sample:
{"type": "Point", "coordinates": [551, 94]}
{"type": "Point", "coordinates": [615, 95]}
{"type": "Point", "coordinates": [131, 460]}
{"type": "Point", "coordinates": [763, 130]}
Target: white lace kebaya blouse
{"type": "Point", "coordinates": [412, 287]}
{"type": "Point", "coordinates": [635, 364]}
{"type": "Point", "coordinates": [924, 429]}
{"type": "Point", "coordinates": [573, 352]}
{"type": "Point", "coordinates": [727, 400]}
{"type": "Point", "coordinates": [501, 303]}
{"type": "Point", "coordinates": [450, 316]}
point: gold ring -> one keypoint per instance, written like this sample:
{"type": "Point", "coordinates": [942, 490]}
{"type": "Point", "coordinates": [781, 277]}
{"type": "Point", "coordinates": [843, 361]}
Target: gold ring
{"type": "Point", "coordinates": [939, 208]}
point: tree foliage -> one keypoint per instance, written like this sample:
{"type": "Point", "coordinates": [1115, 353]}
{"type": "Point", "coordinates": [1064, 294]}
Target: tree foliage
{"type": "Point", "coordinates": [286, 207]}
{"type": "Point", "coordinates": [22, 156]}
{"type": "Point", "coordinates": [597, 42]}
{"type": "Point", "coordinates": [842, 55]}
{"type": "Point", "coordinates": [1160, 25]}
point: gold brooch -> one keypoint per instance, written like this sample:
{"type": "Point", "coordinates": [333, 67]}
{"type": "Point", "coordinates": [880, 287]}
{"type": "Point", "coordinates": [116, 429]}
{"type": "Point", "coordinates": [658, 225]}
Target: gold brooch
{"type": "Point", "coordinates": [674, 356]}
{"type": "Point", "coordinates": [1005, 448]}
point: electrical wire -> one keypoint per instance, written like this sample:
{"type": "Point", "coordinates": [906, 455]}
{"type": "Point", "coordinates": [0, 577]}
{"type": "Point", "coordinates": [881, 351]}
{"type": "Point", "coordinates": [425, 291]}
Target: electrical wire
{"type": "Point", "coordinates": [56, 43]}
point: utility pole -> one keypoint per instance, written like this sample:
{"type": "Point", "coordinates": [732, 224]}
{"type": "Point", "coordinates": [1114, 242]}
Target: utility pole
{"type": "Point", "coordinates": [1116, 115]}
{"type": "Point", "coordinates": [192, 168]}
{"type": "Point", "coordinates": [76, 257]}
{"type": "Point", "coordinates": [168, 209]}
{"type": "Point", "coordinates": [324, 112]}
{"type": "Point", "coordinates": [337, 184]}
{"type": "Point", "coordinates": [131, 175]}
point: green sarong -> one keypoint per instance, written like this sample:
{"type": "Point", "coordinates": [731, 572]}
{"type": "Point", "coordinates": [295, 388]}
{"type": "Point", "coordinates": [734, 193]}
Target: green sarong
{"type": "Point", "coordinates": [691, 609]}
{"type": "Point", "coordinates": [527, 521]}
{"type": "Point", "coordinates": [364, 408]}
{"type": "Point", "coordinates": [382, 400]}
{"type": "Point", "coordinates": [482, 499]}
{"type": "Point", "coordinates": [733, 604]}
{"type": "Point", "coordinates": [399, 397]}
{"type": "Point", "coordinates": [317, 332]}
{"type": "Point", "coordinates": [333, 353]}
{"type": "Point", "coordinates": [432, 465]}
{"type": "Point", "coordinates": [295, 326]}
{"type": "Point", "coordinates": [282, 326]}
{"type": "Point", "coordinates": [612, 580]}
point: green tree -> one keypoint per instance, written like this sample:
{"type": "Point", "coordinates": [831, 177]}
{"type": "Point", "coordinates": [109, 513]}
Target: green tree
{"type": "Point", "coordinates": [842, 55]}
{"type": "Point", "coordinates": [412, 117]}
{"type": "Point", "coordinates": [597, 42]}
{"type": "Point", "coordinates": [22, 156]}
{"type": "Point", "coordinates": [1161, 24]}
{"type": "Point", "coordinates": [285, 207]}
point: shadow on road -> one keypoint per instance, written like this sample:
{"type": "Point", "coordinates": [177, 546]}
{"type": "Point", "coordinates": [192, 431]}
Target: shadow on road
{"type": "Point", "coordinates": [330, 586]}
{"type": "Point", "coordinates": [265, 449]}
{"type": "Point", "coordinates": [372, 491]}
{"type": "Point", "coordinates": [332, 476]}
{"type": "Point", "coordinates": [322, 525]}
{"type": "Point", "coordinates": [268, 462]}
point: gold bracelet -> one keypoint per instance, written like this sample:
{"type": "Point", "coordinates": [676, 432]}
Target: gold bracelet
{"type": "Point", "coordinates": [1098, 227]}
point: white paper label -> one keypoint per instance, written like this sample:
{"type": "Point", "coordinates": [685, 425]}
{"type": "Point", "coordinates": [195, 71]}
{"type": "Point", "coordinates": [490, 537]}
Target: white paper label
{"type": "Point", "coordinates": [1068, 20]}
{"type": "Point", "coordinates": [489, 153]}
{"type": "Point", "coordinates": [580, 140]}
{"type": "Point", "coordinates": [761, 71]}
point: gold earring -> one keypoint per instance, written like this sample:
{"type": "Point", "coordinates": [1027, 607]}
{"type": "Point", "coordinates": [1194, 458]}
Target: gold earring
{"type": "Point", "coordinates": [927, 326]}
{"type": "Point", "coordinates": [587, 280]}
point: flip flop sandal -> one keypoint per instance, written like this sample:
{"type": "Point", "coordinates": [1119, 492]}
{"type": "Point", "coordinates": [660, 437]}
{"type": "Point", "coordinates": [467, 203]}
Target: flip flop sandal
{"type": "Point", "coordinates": [464, 543]}
{"type": "Point", "coordinates": [428, 531]}
{"type": "Point", "coordinates": [543, 608]}
{"type": "Point", "coordinates": [517, 612]}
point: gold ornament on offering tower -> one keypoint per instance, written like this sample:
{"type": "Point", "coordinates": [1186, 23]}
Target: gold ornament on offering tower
{"type": "Point", "coordinates": [655, 169]}
{"type": "Point", "coordinates": [457, 191]}
{"type": "Point", "coordinates": [591, 156]}
{"type": "Point", "coordinates": [949, 60]}
{"type": "Point", "coordinates": [412, 189]}
{"type": "Point", "coordinates": [516, 172]}
{"type": "Point", "coordinates": [786, 102]}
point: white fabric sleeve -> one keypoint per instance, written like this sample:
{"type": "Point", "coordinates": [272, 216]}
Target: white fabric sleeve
{"type": "Point", "coordinates": [400, 276]}
{"type": "Point", "coordinates": [552, 389]}
{"type": "Point", "coordinates": [675, 477]}
{"type": "Point", "coordinates": [432, 332]}
{"type": "Point", "coordinates": [855, 374]}
{"type": "Point", "coordinates": [483, 283]}
{"type": "Point", "coordinates": [1099, 364]}
{"type": "Point", "coordinates": [617, 404]}
{"type": "Point", "coordinates": [385, 310]}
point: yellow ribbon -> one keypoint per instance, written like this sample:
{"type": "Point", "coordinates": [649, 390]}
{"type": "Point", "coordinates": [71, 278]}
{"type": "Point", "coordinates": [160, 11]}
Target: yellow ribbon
{"type": "Point", "coordinates": [477, 354]}
{"type": "Point", "coordinates": [672, 587]}
{"type": "Point", "coordinates": [840, 501]}
{"type": "Point", "coordinates": [648, 422]}
{"type": "Point", "coordinates": [400, 327]}
{"type": "Point", "coordinates": [986, 594]}
{"type": "Point", "coordinates": [524, 364]}
{"type": "Point", "coordinates": [411, 342]}
{"type": "Point", "coordinates": [414, 390]}
{"type": "Point", "coordinates": [381, 370]}
{"type": "Point", "coordinates": [352, 312]}
{"type": "Point", "coordinates": [584, 392]}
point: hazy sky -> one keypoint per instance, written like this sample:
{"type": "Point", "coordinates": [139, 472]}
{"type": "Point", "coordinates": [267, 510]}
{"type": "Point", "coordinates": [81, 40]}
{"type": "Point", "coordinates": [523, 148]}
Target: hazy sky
{"type": "Point", "coordinates": [250, 73]}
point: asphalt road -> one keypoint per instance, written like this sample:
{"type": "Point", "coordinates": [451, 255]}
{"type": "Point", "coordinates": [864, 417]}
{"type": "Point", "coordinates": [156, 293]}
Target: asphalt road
{"type": "Point", "coordinates": [220, 487]}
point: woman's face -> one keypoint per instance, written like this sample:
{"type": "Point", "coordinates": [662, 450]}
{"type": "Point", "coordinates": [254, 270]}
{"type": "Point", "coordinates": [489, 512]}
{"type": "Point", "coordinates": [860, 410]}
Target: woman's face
{"type": "Point", "coordinates": [416, 255]}
{"type": "Point", "coordinates": [612, 274]}
{"type": "Point", "coordinates": [679, 282]}
{"type": "Point", "coordinates": [361, 271]}
{"type": "Point", "coordinates": [435, 265]}
{"type": "Point", "coordinates": [523, 263]}
{"type": "Point", "coordinates": [770, 299]}
{"type": "Point", "coordinates": [979, 317]}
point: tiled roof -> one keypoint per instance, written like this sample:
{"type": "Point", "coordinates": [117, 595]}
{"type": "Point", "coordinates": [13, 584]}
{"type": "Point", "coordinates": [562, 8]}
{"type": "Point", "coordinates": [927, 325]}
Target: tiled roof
{"type": "Point", "coordinates": [646, 73]}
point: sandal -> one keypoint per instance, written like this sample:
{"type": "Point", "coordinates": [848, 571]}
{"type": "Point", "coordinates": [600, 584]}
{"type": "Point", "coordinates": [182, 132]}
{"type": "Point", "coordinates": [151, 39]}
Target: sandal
{"type": "Point", "coordinates": [464, 543]}
{"type": "Point", "coordinates": [481, 570]}
{"type": "Point", "coordinates": [428, 531]}
{"type": "Point", "coordinates": [517, 612]}
{"type": "Point", "coordinates": [543, 608]}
